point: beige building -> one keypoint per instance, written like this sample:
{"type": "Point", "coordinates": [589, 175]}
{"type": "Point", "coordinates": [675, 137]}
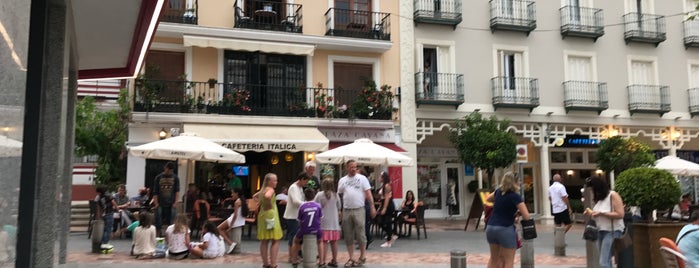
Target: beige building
{"type": "Point", "coordinates": [277, 80]}
{"type": "Point", "coordinates": [566, 73]}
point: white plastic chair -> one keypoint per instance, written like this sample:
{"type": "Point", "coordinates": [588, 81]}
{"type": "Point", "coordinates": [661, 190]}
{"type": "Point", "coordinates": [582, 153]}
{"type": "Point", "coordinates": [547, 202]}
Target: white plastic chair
{"type": "Point", "coordinates": [673, 258]}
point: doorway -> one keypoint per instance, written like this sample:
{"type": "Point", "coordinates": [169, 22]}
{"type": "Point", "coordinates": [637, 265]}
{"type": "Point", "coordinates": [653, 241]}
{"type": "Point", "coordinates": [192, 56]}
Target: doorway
{"type": "Point", "coordinates": [454, 183]}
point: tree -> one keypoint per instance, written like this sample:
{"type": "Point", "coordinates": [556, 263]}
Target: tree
{"type": "Point", "coordinates": [619, 154]}
{"type": "Point", "coordinates": [648, 188]}
{"type": "Point", "coordinates": [484, 143]}
{"type": "Point", "coordinates": [103, 134]}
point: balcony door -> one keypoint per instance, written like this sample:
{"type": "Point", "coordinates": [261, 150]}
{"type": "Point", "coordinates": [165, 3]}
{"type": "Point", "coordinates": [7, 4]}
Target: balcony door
{"type": "Point", "coordinates": [431, 70]}
{"type": "Point", "coordinates": [166, 66]}
{"type": "Point", "coordinates": [694, 76]}
{"type": "Point", "coordinates": [348, 80]}
{"type": "Point", "coordinates": [510, 67]}
{"type": "Point", "coordinates": [353, 15]}
{"type": "Point", "coordinates": [580, 69]}
{"type": "Point", "coordinates": [643, 73]}
{"type": "Point", "coordinates": [642, 7]}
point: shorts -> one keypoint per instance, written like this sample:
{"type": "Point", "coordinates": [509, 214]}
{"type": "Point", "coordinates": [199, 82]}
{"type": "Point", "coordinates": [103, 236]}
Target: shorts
{"type": "Point", "coordinates": [179, 255]}
{"type": "Point", "coordinates": [331, 235]}
{"type": "Point", "coordinates": [505, 236]}
{"type": "Point", "coordinates": [562, 217]}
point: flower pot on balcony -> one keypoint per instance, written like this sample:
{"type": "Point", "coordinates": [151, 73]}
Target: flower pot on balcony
{"type": "Point", "coordinates": [212, 82]}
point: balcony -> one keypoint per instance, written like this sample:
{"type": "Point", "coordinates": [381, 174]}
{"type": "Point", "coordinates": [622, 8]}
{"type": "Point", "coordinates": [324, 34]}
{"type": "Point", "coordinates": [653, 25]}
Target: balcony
{"type": "Point", "coordinates": [644, 28]}
{"type": "Point", "coordinates": [439, 89]}
{"type": "Point", "coordinates": [262, 100]}
{"type": "Point", "coordinates": [512, 15]}
{"type": "Point", "coordinates": [515, 92]}
{"type": "Point", "coordinates": [582, 22]}
{"type": "Point", "coordinates": [446, 12]}
{"type": "Point", "coordinates": [585, 96]}
{"type": "Point", "coordinates": [691, 33]}
{"type": "Point", "coordinates": [271, 16]}
{"type": "Point", "coordinates": [693, 101]}
{"type": "Point", "coordinates": [181, 14]}
{"type": "Point", "coordinates": [358, 24]}
{"type": "Point", "coordinates": [649, 99]}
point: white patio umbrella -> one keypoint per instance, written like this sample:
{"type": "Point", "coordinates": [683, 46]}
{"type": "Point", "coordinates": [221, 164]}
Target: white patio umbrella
{"type": "Point", "coordinates": [366, 152]}
{"type": "Point", "coordinates": [187, 147]}
{"type": "Point", "coordinates": [9, 147]}
{"type": "Point", "coordinates": [677, 166]}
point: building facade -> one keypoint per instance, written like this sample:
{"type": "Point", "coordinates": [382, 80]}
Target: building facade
{"type": "Point", "coordinates": [567, 74]}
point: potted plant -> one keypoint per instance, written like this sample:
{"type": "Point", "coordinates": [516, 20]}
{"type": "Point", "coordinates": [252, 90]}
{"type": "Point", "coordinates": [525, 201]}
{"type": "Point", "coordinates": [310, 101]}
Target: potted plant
{"type": "Point", "coordinates": [472, 186]}
{"type": "Point", "coordinates": [577, 207]}
{"type": "Point", "coordinates": [212, 82]}
{"type": "Point", "coordinates": [650, 189]}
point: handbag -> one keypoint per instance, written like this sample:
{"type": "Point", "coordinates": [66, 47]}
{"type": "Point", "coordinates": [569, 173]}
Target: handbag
{"type": "Point", "coordinates": [591, 230]}
{"type": "Point", "coordinates": [528, 229]}
{"type": "Point", "coordinates": [623, 242]}
{"type": "Point", "coordinates": [269, 224]}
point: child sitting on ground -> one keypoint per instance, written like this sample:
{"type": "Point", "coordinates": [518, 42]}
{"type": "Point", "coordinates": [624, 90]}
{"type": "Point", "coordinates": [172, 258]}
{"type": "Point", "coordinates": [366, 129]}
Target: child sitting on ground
{"type": "Point", "coordinates": [177, 238]}
{"type": "Point", "coordinates": [310, 213]}
{"type": "Point", "coordinates": [144, 237]}
{"type": "Point", "coordinates": [209, 247]}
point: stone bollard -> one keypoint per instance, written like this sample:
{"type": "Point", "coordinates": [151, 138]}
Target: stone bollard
{"type": "Point", "coordinates": [592, 254]}
{"type": "Point", "coordinates": [527, 253]}
{"type": "Point", "coordinates": [310, 251]}
{"type": "Point", "coordinates": [97, 232]}
{"type": "Point", "coordinates": [458, 259]}
{"type": "Point", "coordinates": [559, 241]}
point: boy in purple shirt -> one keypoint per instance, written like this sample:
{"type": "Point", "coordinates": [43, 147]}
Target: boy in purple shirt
{"type": "Point", "coordinates": [310, 213]}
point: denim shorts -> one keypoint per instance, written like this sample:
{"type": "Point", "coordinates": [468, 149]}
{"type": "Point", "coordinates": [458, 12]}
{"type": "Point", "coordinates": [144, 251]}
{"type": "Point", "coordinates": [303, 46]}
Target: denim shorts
{"type": "Point", "coordinates": [505, 236]}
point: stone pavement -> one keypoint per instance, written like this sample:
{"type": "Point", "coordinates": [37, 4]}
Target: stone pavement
{"type": "Point", "coordinates": [443, 236]}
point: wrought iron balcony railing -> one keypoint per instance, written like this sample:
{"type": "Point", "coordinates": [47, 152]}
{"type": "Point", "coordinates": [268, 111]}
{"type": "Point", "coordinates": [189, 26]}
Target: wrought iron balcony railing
{"type": "Point", "coordinates": [513, 15]}
{"type": "Point", "coordinates": [515, 92]}
{"type": "Point", "coordinates": [582, 22]}
{"type": "Point", "coordinates": [585, 95]}
{"type": "Point", "coordinates": [181, 14]}
{"type": "Point", "coordinates": [644, 28]}
{"type": "Point", "coordinates": [269, 15]}
{"type": "Point", "coordinates": [439, 89]}
{"type": "Point", "coordinates": [691, 33]}
{"type": "Point", "coordinates": [446, 12]}
{"type": "Point", "coordinates": [693, 101]}
{"type": "Point", "coordinates": [250, 99]}
{"type": "Point", "coordinates": [358, 24]}
{"type": "Point", "coordinates": [649, 99]}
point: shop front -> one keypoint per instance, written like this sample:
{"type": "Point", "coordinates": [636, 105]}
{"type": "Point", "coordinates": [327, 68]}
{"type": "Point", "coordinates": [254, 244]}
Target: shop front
{"type": "Point", "coordinates": [441, 185]}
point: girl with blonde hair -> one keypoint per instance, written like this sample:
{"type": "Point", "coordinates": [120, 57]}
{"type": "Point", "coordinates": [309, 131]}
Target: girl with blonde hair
{"type": "Point", "coordinates": [330, 222]}
{"type": "Point", "coordinates": [177, 238]}
{"type": "Point", "coordinates": [269, 228]}
{"type": "Point", "coordinates": [500, 228]}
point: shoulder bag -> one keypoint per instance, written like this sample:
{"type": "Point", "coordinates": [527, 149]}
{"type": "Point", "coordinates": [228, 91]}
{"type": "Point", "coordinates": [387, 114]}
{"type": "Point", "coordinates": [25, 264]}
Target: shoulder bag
{"type": "Point", "coordinates": [623, 242]}
{"type": "Point", "coordinates": [528, 229]}
{"type": "Point", "coordinates": [591, 232]}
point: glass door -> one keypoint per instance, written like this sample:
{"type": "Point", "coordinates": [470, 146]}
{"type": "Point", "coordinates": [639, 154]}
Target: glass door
{"type": "Point", "coordinates": [454, 185]}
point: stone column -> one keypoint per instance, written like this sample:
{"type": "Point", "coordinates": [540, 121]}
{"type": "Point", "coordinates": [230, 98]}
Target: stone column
{"type": "Point", "coordinates": [408, 117]}
{"type": "Point", "coordinates": [545, 207]}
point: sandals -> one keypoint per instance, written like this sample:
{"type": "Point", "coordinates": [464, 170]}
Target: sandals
{"type": "Point", "coordinates": [362, 261]}
{"type": "Point", "coordinates": [353, 263]}
{"type": "Point", "coordinates": [333, 263]}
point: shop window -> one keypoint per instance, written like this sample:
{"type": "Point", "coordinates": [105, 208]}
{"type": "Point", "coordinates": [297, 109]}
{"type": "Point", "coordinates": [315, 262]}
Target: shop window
{"type": "Point", "coordinates": [592, 157]}
{"type": "Point", "coordinates": [430, 186]}
{"type": "Point", "coordinates": [576, 157]}
{"type": "Point", "coordinates": [559, 157]}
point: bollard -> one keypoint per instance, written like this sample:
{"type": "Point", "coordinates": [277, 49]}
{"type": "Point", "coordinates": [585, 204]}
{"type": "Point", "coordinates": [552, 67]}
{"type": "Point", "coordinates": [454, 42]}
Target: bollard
{"type": "Point", "coordinates": [97, 232]}
{"type": "Point", "coordinates": [527, 253]}
{"type": "Point", "coordinates": [310, 251]}
{"type": "Point", "coordinates": [458, 259]}
{"type": "Point", "coordinates": [559, 241]}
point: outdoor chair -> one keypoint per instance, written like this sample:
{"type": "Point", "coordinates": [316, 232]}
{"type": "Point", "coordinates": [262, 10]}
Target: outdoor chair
{"type": "Point", "coordinates": [671, 254]}
{"type": "Point", "coordinates": [251, 218]}
{"type": "Point", "coordinates": [418, 221]}
{"type": "Point", "coordinates": [240, 17]}
{"type": "Point", "coordinates": [200, 215]}
{"type": "Point", "coordinates": [93, 211]}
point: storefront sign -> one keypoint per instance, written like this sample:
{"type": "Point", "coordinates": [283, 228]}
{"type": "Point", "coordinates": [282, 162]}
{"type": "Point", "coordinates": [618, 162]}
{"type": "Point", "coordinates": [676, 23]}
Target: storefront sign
{"type": "Point", "coordinates": [260, 147]}
{"type": "Point", "coordinates": [437, 152]}
{"type": "Point", "coordinates": [579, 141]}
{"type": "Point", "coordinates": [350, 135]}
{"type": "Point", "coordinates": [522, 155]}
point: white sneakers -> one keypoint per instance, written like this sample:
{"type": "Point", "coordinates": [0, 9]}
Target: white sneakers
{"type": "Point", "coordinates": [388, 244]}
{"type": "Point", "coordinates": [394, 238]}
{"type": "Point", "coordinates": [230, 249]}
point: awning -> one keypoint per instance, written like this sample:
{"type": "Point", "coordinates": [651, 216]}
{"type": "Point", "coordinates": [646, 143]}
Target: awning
{"type": "Point", "coordinates": [244, 45]}
{"type": "Point", "coordinates": [262, 138]}
{"type": "Point", "coordinates": [388, 145]}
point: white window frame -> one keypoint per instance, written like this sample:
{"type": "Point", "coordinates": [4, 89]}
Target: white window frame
{"type": "Point", "coordinates": [629, 64]}
{"type": "Point", "coordinates": [517, 49]}
{"type": "Point", "coordinates": [582, 3]}
{"type": "Point", "coordinates": [690, 64]}
{"type": "Point", "coordinates": [376, 66]}
{"type": "Point", "coordinates": [650, 9]}
{"type": "Point", "coordinates": [450, 54]}
{"type": "Point", "coordinates": [573, 53]}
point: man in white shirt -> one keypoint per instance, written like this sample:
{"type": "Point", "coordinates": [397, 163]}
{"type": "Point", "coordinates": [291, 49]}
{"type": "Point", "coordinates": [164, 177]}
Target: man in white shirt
{"type": "Point", "coordinates": [354, 189]}
{"type": "Point", "coordinates": [294, 201]}
{"type": "Point", "coordinates": [559, 202]}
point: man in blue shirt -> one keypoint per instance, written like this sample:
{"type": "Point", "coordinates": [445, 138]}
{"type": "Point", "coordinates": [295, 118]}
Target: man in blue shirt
{"type": "Point", "coordinates": [688, 240]}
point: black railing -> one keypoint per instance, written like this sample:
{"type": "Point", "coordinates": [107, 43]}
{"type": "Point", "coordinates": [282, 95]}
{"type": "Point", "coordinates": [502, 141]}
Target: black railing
{"type": "Point", "coordinates": [585, 95]}
{"type": "Point", "coordinates": [582, 21]}
{"type": "Point", "coordinates": [515, 92]}
{"type": "Point", "coordinates": [649, 99]}
{"type": "Point", "coordinates": [358, 24]}
{"type": "Point", "coordinates": [514, 15]}
{"type": "Point", "coordinates": [439, 88]}
{"type": "Point", "coordinates": [248, 99]}
{"type": "Point", "coordinates": [187, 15]}
{"type": "Point", "coordinates": [268, 15]}
{"type": "Point", "coordinates": [693, 101]}
{"type": "Point", "coordinates": [645, 28]}
{"type": "Point", "coordinates": [691, 33]}
{"type": "Point", "coordinates": [438, 11]}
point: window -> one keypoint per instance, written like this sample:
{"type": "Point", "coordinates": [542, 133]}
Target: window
{"type": "Point", "coordinates": [690, 7]}
{"type": "Point", "coordinates": [694, 76]}
{"type": "Point", "coordinates": [639, 6]}
{"type": "Point", "coordinates": [642, 73]}
{"type": "Point", "coordinates": [559, 157]}
{"type": "Point", "coordinates": [510, 67]}
{"type": "Point", "coordinates": [579, 68]}
{"type": "Point", "coordinates": [436, 63]}
{"type": "Point", "coordinates": [576, 157]}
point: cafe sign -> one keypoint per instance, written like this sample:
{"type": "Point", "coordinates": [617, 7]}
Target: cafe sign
{"type": "Point", "coordinates": [350, 135]}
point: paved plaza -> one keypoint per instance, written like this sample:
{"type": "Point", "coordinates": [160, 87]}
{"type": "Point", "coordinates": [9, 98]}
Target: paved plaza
{"type": "Point", "coordinates": [408, 252]}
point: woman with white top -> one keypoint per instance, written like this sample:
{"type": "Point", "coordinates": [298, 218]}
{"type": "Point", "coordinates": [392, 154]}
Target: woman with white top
{"type": "Point", "coordinates": [235, 222]}
{"type": "Point", "coordinates": [608, 213]}
{"type": "Point", "coordinates": [210, 243]}
{"type": "Point", "coordinates": [177, 238]}
{"type": "Point", "coordinates": [144, 237]}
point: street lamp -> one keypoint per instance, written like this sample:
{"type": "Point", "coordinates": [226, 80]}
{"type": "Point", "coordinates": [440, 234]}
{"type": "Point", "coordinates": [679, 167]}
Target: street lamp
{"type": "Point", "coordinates": [162, 134]}
{"type": "Point", "coordinates": [672, 134]}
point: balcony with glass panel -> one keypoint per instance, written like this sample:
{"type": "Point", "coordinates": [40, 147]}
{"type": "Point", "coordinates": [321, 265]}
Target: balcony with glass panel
{"type": "Point", "coordinates": [649, 99]}
{"type": "Point", "coordinates": [269, 15]}
{"type": "Point", "coordinates": [693, 101]}
{"type": "Point", "coordinates": [512, 15]}
{"type": "Point", "coordinates": [585, 96]}
{"type": "Point", "coordinates": [446, 12]}
{"type": "Point", "coordinates": [582, 22]}
{"type": "Point", "coordinates": [644, 28]}
{"type": "Point", "coordinates": [439, 89]}
{"type": "Point", "coordinates": [358, 24]}
{"type": "Point", "coordinates": [515, 92]}
{"type": "Point", "coordinates": [691, 33]}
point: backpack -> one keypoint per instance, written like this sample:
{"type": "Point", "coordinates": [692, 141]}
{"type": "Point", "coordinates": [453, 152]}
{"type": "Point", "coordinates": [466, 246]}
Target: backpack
{"type": "Point", "coordinates": [106, 204]}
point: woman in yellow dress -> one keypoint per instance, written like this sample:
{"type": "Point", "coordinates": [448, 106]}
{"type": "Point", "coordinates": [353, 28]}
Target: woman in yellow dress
{"type": "Point", "coordinates": [268, 225]}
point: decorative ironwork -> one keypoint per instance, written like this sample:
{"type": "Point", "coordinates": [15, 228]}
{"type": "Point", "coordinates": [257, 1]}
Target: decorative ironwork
{"type": "Point", "coordinates": [358, 24]}
{"type": "Point", "coordinates": [584, 95]}
{"type": "Point", "coordinates": [644, 28]}
{"type": "Point", "coordinates": [427, 128]}
{"type": "Point", "coordinates": [269, 15]}
{"type": "Point", "coordinates": [649, 99]}
{"type": "Point", "coordinates": [446, 12]}
{"type": "Point", "coordinates": [582, 22]}
{"type": "Point", "coordinates": [515, 92]}
{"type": "Point", "coordinates": [439, 88]}
{"type": "Point", "coordinates": [513, 15]}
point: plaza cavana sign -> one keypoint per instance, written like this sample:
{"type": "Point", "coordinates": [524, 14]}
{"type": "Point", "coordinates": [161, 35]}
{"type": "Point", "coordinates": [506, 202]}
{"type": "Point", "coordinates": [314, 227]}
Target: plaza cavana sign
{"type": "Point", "coordinates": [350, 135]}
{"type": "Point", "coordinates": [437, 152]}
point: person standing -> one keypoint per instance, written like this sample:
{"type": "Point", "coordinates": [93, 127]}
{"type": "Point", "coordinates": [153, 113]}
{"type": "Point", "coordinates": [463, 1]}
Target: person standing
{"type": "Point", "coordinates": [165, 190]}
{"type": "Point", "coordinates": [559, 201]}
{"type": "Point", "coordinates": [355, 189]}
{"type": "Point", "coordinates": [387, 211]}
{"type": "Point", "coordinates": [268, 227]}
{"type": "Point", "coordinates": [688, 240]}
{"type": "Point", "coordinates": [609, 214]}
{"type": "Point", "coordinates": [234, 181]}
{"type": "Point", "coordinates": [330, 223]}
{"type": "Point", "coordinates": [105, 208]}
{"type": "Point", "coordinates": [291, 213]}
{"type": "Point", "coordinates": [314, 182]}
{"type": "Point", "coordinates": [500, 230]}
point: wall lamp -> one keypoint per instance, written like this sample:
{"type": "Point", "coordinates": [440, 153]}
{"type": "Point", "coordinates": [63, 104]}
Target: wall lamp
{"type": "Point", "coordinates": [162, 134]}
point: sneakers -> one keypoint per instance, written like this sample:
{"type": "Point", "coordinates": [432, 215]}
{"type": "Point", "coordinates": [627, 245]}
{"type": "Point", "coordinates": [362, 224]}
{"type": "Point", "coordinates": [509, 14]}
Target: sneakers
{"type": "Point", "coordinates": [230, 249]}
{"type": "Point", "coordinates": [386, 244]}
{"type": "Point", "coordinates": [394, 238]}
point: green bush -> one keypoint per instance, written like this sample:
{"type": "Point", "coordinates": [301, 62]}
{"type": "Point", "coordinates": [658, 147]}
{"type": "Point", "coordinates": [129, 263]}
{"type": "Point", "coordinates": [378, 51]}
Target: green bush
{"type": "Point", "coordinates": [648, 188]}
{"type": "Point", "coordinates": [576, 205]}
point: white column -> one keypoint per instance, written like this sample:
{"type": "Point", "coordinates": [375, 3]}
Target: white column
{"type": "Point", "coordinates": [673, 149]}
{"type": "Point", "coordinates": [545, 208]}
